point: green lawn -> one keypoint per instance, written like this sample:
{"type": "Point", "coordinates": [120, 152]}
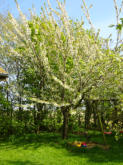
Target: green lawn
{"type": "Point", "coordinates": [50, 149]}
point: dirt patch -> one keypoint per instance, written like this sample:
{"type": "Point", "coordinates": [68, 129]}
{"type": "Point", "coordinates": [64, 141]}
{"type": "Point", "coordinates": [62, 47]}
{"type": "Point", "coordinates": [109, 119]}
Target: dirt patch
{"type": "Point", "coordinates": [89, 145]}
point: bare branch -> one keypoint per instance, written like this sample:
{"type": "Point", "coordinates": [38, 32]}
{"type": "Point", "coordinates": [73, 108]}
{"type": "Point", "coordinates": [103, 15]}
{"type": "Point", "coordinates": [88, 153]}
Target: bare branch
{"type": "Point", "coordinates": [86, 12]}
{"type": "Point", "coordinates": [118, 12]}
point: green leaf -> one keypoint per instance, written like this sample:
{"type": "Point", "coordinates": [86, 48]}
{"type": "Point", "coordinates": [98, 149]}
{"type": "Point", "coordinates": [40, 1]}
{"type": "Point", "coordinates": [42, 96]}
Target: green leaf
{"type": "Point", "coordinates": [111, 25]}
{"type": "Point", "coordinates": [119, 27]}
{"type": "Point", "coordinates": [121, 20]}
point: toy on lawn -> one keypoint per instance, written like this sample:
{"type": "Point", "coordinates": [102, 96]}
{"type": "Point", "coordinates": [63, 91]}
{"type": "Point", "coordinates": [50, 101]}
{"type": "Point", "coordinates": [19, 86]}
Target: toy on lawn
{"type": "Point", "coordinates": [89, 145]}
{"type": "Point", "coordinates": [78, 144]}
{"type": "Point", "coordinates": [81, 144]}
{"type": "Point", "coordinates": [107, 133]}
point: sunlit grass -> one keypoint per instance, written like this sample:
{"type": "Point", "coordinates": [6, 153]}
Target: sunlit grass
{"type": "Point", "coordinates": [50, 149]}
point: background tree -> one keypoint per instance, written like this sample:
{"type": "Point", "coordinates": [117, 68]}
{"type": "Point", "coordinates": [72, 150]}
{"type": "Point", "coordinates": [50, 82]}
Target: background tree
{"type": "Point", "coordinates": [58, 63]}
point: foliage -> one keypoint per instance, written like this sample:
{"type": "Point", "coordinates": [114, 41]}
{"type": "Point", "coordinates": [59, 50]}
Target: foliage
{"type": "Point", "coordinates": [48, 149]}
{"type": "Point", "coordinates": [55, 66]}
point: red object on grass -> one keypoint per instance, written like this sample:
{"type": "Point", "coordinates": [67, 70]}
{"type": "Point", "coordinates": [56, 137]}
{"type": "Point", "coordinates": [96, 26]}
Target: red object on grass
{"type": "Point", "coordinates": [121, 131]}
{"type": "Point", "coordinates": [108, 133]}
{"type": "Point", "coordinates": [83, 144]}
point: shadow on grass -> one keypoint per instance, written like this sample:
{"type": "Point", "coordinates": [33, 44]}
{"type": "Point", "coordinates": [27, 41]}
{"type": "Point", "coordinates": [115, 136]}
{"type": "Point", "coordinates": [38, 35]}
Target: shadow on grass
{"type": "Point", "coordinates": [95, 155]}
{"type": "Point", "coordinates": [98, 155]}
{"type": "Point", "coordinates": [18, 162]}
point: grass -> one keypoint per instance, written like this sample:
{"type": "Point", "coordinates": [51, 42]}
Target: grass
{"type": "Point", "coordinates": [50, 149]}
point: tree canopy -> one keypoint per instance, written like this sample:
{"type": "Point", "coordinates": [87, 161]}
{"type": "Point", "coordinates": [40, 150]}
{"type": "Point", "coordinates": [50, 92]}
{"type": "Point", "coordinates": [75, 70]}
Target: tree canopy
{"type": "Point", "coordinates": [55, 62]}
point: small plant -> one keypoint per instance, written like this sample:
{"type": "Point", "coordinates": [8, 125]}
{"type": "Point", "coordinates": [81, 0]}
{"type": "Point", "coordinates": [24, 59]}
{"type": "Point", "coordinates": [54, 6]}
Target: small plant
{"type": "Point", "coordinates": [12, 138]}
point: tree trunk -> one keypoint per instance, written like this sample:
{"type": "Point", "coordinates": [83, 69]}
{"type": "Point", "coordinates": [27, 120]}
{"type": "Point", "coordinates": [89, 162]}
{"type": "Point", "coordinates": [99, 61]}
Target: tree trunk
{"type": "Point", "coordinates": [115, 113]}
{"type": "Point", "coordinates": [20, 117]}
{"type": "Point", "coordinates": [87, 113]}
{"type": "Point", "coordinates": [65, 112]}
{"type": "Point", "coordinates": [95, 117]}
{"type": "Point", "coordinates": [79, 120]}
{"type": "Point", "coordinates": [39, 117]}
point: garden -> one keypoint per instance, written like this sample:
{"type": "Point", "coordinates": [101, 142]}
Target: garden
{"type": "Point", "coordinates": [61, 87]}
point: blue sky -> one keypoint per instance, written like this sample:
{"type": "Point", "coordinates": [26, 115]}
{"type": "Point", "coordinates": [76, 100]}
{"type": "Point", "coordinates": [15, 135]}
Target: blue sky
{"type": "Point", "coordinates": [102, 13]}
